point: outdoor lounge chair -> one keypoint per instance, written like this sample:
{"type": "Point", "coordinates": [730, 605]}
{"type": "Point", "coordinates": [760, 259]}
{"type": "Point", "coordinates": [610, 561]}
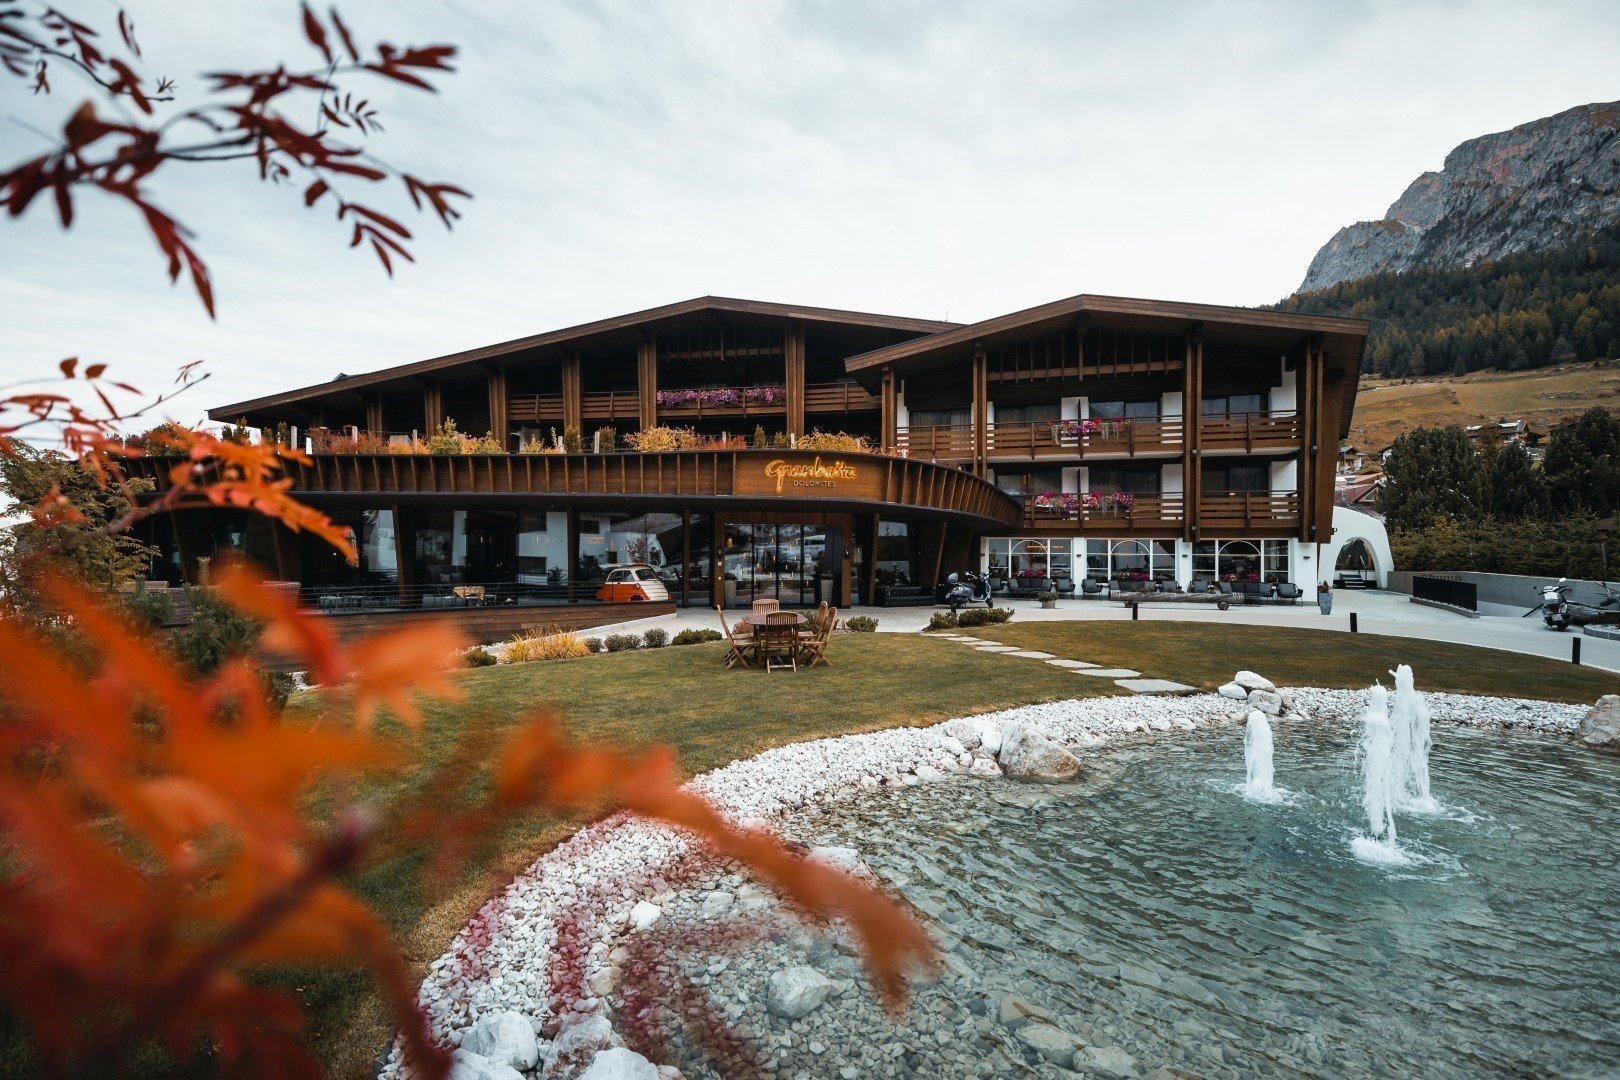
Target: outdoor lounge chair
{"type": "Point", "coordinates": [743, 647]}
{"type": "Point", "coordinates": [1092, 588]}
{"type": "Point", "coordinates": [813, 646]}
{"type": "Point", "coordinates": [1063, 586]}
{"type": "Point", "coordinates": [1288, 591]}
{"type": "Point", "coordinates": [1224, 588]}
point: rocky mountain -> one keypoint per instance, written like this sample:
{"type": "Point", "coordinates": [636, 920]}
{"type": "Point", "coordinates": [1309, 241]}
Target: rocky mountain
{"type": "Point", "coordinates": [1541, 185]}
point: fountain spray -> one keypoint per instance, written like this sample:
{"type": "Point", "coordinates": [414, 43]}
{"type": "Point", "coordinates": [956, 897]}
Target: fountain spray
{"type": "Point", "coordinates": [1257, 758]}
{"type": "Point", "coordinates": [1410, 720]}
{"type": "Point", "coordinates": [1380, 780]}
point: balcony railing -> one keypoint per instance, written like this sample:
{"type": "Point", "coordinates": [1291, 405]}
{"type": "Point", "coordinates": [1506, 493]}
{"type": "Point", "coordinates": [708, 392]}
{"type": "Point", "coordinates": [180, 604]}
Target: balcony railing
{"type": "Point", "coordinates": [1250, 431]}
{"type": "Point", "coordinates": [1221, 510]}
{"type": "Point", "coordinates": [837, 397]}
{"type": "Point", "coordinates": [602, 405]}
{"type": "Point", "coordinates": [1139, 513]}
{"type": "Point", "coordinates": [1048, 438]}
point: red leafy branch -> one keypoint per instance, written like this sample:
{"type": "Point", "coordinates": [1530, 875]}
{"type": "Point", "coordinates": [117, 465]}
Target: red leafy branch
{"type": "Point", "coordinates": [249, 118]}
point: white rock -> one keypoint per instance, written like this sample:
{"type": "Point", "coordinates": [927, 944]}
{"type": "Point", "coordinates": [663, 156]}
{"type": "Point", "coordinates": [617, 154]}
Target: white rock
{"type": "Point", "coordinates": [466, 1065]}
{"type": "Point", "coordinates": [644, 914]}
{"type": "Point", "coordinates": [989, 730]}
{"type": "Point", "coordinates": [953, 746]}
{"type": "Point", "coordinates": [1159, 724]}
{"type": "Point", "coordinates": [796, 992]}
{"type": "Point", "coordinates": [1600, 728]}
{"type": "Point", "coordinates": [1052, 1043]}
{"type": "Point", "coordinates": [1234, 691]}
{"type": "Point", "coordinates": [576, 1045]}
{"type": "Point", "coordinates": [985, 768]}
{"type": "Point", "coordinates": [846, 859]}
{"type": "Point", "coordinates": [506, 1038]}
{"type": "Point", "coordinates": [928, 774]}
{"type": "Point", "coordinates": [1104, 1061]}
{"type": "Point", "coordinates": [603, 981]}
{"type": "Point", "coordinates": [1266, 701]}
{"type": "Point", "coordinates": [1250, 681]}
{"type": "Point", "coordinates": [1030, 754]}
{"type": "Point", "coordinates": [1014, 1011]}
{"type": "Point", "coordinates": [619, 1063]}
{"type": "Point", "coordinates": [717, 903]}
{"type": "Point", "coordinates": [670, 1072]}
{"type": "Point", "coordinates": [964, 732]}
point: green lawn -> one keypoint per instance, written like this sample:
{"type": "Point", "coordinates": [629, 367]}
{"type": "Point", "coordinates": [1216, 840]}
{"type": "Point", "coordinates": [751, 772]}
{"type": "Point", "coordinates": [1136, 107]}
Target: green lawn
{"type": "Point", "coordinates": [683, 697]}
{"type": "Point", "coordinates": [1206, 655]}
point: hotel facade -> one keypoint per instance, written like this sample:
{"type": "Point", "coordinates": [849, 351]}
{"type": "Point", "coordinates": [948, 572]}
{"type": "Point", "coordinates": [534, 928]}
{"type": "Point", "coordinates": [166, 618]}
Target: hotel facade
{"type": "Point", "coordinates": [1103, 437]}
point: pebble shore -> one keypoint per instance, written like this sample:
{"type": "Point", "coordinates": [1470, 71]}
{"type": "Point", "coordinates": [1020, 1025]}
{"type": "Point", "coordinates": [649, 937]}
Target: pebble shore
{"type": "Point", "coordinates": [625, 896]}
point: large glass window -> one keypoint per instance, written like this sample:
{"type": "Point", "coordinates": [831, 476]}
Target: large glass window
{"type": "Point", "coordinates": [962, 417]}
{"type": "Point", "coordinates": [1139, 479]}
{"type": "Point", "coordinates": [1131, 560]}
{"type": "Point", "coordinates": [792, 564]}
{"type": "Point", "coordinates": [1222, 477]}
{"type": "Point", "coordinates": [1123, 410]}
{"type": "Point", "coordinates": [1031, 558]}
{"type": "Point", "coordinates": [1234, 404]}
{"type": "Point", "coordinates": [1033, 482]}
{"type": "Point", "coordinates": [896, 554]}
{"type": "Point", "coordinates": [1241, 560]}
{"type": "Point", "coordinates": [1028, 414]}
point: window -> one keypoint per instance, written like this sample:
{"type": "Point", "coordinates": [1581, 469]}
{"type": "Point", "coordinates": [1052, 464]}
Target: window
{"type": "Point", "coordinates": [1131, 560]}
{"type": "Point", "coordinates": [1028, 414]}
{"type": "Point", "coordinates": [1141, 479]}
{"type": "Point", "coordinates": [1033, 482]}
{"type": "Point", "coordinates": [941, 417]}
{"type": "Point", "coordinates": [1234, 404]}
{"type": "Point", "coordinates": [1220, 477]}
{"type": "Point", "coordinates": [1241, 560]}
{"type": "Point", "coordinates": [620, 577]}
{"type": "Point", "coordinates": [646, 575]}
{"type": "Point", "coordinates": [1120, 410]}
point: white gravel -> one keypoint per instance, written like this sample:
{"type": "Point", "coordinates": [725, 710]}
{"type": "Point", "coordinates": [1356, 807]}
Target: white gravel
{"type": "Point", "coordinates": [553, 939]}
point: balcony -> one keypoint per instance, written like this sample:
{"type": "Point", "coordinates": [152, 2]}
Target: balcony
{"type": "Point", "coordinates": [544, 408]}
{"type": "Point", "coordinates": [838, 397]}
{"type": "Point", "coordinates": [1248, 511]}
{"type": "Point", "coordinates": [1142, 514]}
{"type": "Point", "coordinates": [1048, 439]}
{"type": "Point", "coordinates": [1279, 429]}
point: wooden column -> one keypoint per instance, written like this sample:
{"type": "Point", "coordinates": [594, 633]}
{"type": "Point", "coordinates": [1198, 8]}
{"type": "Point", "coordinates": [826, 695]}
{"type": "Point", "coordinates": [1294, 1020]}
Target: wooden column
{"type": "Point", "coordinates": [374, 413]}
{"type": "Point", "coordinates": [404, 551]}
{"type": "Point", "coordinates": [890, 415]}
{"type": "Point", "coordinates": [647, 379]}
{"type": "Point", "coordinates": [497, 405]}
{"type": "Point", "coordinates": [572, 553]}
{"type": "Point", "coordinates": [432, 405]}
{"type": "Point", "coordinates": [981, 409]}
{"type": "Point", "coordinates": [572, 392]}
{"type": "Point", "coordinates": [793, 370]}
{"type": "Point", "coordinates": [1192, 414]}
{"type": "Point", "coordinates": [1310, 440]}
{"type": "Point", "coordinates": [869, 567]}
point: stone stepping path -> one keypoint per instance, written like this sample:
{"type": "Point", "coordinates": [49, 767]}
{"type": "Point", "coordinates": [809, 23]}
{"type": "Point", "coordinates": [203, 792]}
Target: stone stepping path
{"type": "Point", "coordinates": [1124, 678]}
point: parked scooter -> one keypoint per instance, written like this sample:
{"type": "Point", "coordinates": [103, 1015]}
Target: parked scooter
{"type": "Point", "coordinates": [967, 588]}
{"type": "Point", "coordinates": [1554, 607]}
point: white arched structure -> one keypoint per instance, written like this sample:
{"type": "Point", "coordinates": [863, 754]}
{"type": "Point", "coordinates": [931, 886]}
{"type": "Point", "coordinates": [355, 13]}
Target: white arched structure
{"type": "Point", "coordinates": [1350, 525]}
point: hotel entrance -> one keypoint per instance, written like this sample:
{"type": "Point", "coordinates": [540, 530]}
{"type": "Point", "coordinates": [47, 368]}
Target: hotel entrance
{"type": "Point", "coordinates": [796, 565]}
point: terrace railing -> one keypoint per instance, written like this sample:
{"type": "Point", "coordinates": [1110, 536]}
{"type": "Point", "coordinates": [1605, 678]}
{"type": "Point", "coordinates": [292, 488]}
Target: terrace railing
{"type": "Point", "coordinates": [1250, 431]}
{"type": "Point", "coordinates": [1137, 513]}
{"type": "Point", "coordinates": [1219, 511]}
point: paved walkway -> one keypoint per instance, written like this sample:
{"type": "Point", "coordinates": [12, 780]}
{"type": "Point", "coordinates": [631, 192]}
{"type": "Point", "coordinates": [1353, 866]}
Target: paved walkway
{"type": "Point", "coordinates": [1377, 613]}
{"type": "Point", "coordinates": [1122, 677]}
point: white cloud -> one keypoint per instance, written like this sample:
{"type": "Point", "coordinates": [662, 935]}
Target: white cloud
{"type": "Point", "coordinates": [915, 158]}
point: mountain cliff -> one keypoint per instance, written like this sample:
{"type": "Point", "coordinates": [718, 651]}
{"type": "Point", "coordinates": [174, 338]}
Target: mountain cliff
{"type": "Point", "coordinates": [1541, 185]}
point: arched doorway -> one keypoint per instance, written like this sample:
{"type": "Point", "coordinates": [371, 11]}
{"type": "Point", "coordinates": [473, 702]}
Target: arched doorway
{"type": "Point", "coordinates": [1356, 564]}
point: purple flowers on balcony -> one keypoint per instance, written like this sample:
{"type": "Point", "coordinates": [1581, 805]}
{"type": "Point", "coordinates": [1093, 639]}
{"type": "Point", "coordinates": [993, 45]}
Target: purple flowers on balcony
{"type": "Point", "coordinates": [1070, 503]}
{"type": "Point", "coordinates": [724, 396]}
{"type": "Point", "coordinates": [1075, 429]}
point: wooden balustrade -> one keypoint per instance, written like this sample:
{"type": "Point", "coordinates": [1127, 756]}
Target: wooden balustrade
{"type": "Point", "coordinates": [1146, 514]}
{"type": "Point", "coordinates": [1250, 431]}
{"type": "Point", "coordinates": [1047, 438]}
{"type": "Point", "coordinates": [1222, 511]}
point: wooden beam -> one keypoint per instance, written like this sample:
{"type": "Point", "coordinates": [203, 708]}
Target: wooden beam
{"type": "Point", "coordinates": [374, 412]}
{"type": "Point", "coordinates": [432, 405]}
{"type": "Point", "coordinates": [572, 391]}
{"type": "Point", "coordinates": [404, 551]}
{"type": "Point", "coordinates": [572, 553]}
{"type": "Point", "coordinates": [981, 409]}
{"type": "Point", "coordinates": [889, 421]}
{"type": "Point", "coordinates": [870, 566]}
{"type": "Point", "coordinates": [793, 367]}
{"type": "Point", "coordinates": [498, 425]}
{"type": "Point", "coordinates": [686, 558]}
{"type": "Point", "coordinates": [1192, 412]}
{"type": "Point", "coordinates": [647, 379]}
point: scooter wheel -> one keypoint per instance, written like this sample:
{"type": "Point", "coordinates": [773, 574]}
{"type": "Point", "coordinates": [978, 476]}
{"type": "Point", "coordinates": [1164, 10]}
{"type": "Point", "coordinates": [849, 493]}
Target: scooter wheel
{"type": "Point", "coordinates": [1223, 605]}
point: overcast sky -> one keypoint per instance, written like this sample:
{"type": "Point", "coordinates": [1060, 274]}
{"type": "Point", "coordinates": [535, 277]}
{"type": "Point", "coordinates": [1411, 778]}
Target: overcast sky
{"type": "Point", "coordinates": [934, 159]}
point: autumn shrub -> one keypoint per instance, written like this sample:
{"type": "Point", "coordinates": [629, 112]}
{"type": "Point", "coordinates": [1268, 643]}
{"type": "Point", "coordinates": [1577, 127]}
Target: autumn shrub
{"type": "Point", "coordinates": [479, 657]}
{"type": "Point", "coordinates": [594, 645]}
{"type": "Point", "coordinates": [655, 638]}
{"type": "Point", "coordinates": [659, 439]}
{"type": "Point", "coordinates": [445, 440]}
{"type": "Point", "coordinates": [487, 444]}
{"type": "Point", "coordinates": [942, 620]}
{"type": "Point", "coordinates": [545, 645]}
{"type": "Point", "coordinates": [836, 441]}
{"type": "Point", "coordinates": [607, 439]}
{"type": "Point", "coordinates": [695, 636]}
{"type": "Point", "coordinates": [861, 624]}
{"type": "Point", "coordinates": [620, 642]}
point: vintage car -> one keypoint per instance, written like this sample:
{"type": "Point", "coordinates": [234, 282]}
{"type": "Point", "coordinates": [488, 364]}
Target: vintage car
{"type": "Point", "coordinates": [632, 583]}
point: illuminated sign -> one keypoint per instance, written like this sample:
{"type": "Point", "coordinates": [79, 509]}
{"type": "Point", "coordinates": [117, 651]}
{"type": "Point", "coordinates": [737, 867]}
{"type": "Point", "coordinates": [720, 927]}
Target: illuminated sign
{"type": "Point", "coordinates": [812, 475]}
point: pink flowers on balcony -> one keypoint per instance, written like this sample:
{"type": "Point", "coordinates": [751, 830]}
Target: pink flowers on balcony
{"type": "Point", "coordinates": [1070, 503]}
{"type": "Point", "coordinates": [724, 396]}
{"type": "Point", "coordinates": [1075, 429]}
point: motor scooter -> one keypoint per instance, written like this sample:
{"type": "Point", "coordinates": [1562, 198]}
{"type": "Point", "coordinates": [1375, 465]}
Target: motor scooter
{"type": "Point", "coordinates": [1554, 607]}
{"type": "Point", "coordinates": [967, 588]}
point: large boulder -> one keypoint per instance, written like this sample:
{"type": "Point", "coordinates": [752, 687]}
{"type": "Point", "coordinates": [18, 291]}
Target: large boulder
{"type": "Point", "coordinates": [1250, 681]}
{"type": "Point", "coordinates": [1600, 728]}
{"type": "Point", "coordinates": [1267, 701]}
{"type": "Point", "coordinates": [1027, 753]}
{"type": "Point", "coordinates": [964, 732]}
{"type": "Point", "coordinates": [1050, 1042]}
{"type": "Point", "coordinates": [466, 1065]}
{"type": "Point", "coordinates": [576, 1046]}
{"type": "Point", "coordinates": [504, 1037]}
{"type": "Point", "coordinates": [795, 992]}
{"type": "Point", "coordinates": [619, 1063]}
{"type": "Point", "coordinates": [1233, 690]}
{"type": "Point", "coordinates": [1014, 1011]}
{"type": "Point", "coordinates": [644, 914]}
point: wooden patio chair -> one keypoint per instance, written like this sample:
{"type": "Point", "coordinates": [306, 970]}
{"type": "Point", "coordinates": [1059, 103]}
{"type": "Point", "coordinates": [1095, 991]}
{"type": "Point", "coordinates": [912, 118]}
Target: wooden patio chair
{"type": "Point", "coordinates": [742, 646]}
{"type": "Point", "coordinates": [813, 649]}
{"type": "Point", "coordinates": [779, 640]}
{"type": "Point", "coordinates": [766, 605]}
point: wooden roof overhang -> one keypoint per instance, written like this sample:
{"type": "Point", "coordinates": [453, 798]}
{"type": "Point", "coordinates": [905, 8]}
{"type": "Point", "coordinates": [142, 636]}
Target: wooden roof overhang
{"type": "Point", "coordinates": [861, 328]}
{"type": "Point", "coordinates": [705, 480]}
{"type": "Point", "coordinates": [1229, 329]}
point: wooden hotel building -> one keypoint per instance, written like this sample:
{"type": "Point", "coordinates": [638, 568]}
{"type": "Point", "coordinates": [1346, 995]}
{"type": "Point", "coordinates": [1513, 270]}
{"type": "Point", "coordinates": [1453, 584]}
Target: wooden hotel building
{"type": "Point", "coordinates": [1097, 436]}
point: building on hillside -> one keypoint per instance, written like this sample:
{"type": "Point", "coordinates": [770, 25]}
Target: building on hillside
{"type": "Point", "coordinates": [1351, 460]}
{"type": "Point", "coordinates": [1095, 437]}
{"type": "Point", "coordinates": [1503, 431]}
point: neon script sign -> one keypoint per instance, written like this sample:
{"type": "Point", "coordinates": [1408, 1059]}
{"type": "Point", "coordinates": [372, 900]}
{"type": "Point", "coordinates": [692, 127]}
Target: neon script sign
{"type": "Point", "coordinates": [813, 475]}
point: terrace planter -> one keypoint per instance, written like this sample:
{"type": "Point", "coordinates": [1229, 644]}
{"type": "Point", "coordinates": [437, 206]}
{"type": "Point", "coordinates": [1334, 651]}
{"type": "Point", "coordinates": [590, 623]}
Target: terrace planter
{"type": "Point", "coordinates": [1324, 601]}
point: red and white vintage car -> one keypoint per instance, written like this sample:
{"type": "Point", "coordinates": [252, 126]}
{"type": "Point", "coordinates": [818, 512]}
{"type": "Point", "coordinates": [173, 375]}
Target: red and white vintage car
{"type": "Point", "coordinates": [628, 584]}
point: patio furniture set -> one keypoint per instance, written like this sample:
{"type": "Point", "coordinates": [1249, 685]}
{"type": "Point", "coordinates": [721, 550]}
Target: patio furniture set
{"type": "Point", "coordinates": [778, 639]}
{"type": "Point", "coordinates": [1235, 592]}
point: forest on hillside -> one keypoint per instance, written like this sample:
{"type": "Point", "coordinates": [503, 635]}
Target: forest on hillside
{"type": "Point", "coordinates": [1525, 311]}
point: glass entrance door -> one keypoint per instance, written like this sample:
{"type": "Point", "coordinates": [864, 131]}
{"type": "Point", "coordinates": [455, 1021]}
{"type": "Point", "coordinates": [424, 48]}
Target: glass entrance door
{"type": "Point", "coordinates": [784, 563]}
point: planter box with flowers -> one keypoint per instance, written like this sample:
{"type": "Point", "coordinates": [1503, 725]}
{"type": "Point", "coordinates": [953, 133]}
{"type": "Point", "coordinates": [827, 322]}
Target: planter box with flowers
{"type": "Point", "coordinates": [1069, 504]}
{"type": "Point", "coordinates": [723, 397]}
{"type": "Point", "coordinates": [1070, 431]}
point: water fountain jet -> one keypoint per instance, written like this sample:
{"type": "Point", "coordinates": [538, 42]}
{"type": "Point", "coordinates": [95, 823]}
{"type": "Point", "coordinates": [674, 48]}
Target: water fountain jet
{"type": "Point", "coordinates": [1409, 719]}
{"type": "Point", "coordinates": [1380, 782]}
{"type": "Point", "coordinates": [1257, 759]}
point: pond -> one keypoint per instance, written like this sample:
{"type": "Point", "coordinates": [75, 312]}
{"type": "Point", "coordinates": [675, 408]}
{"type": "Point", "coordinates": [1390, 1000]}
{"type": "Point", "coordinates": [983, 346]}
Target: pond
{"type": "Point", "coordinates": [1156, 911]}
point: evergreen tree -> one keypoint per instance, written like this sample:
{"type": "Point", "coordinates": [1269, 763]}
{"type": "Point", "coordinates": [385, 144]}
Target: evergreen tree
{"type": "Point", "coordinates": [1431, 474]}
{"type": "Point", "coordinates": [1517, 488]}
{"type": "Point", "coordinates": [1583, 463]}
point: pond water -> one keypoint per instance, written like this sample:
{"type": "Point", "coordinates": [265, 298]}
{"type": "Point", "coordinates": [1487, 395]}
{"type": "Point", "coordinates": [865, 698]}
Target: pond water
{"type": "Point", "coordinates": [1155, 909]}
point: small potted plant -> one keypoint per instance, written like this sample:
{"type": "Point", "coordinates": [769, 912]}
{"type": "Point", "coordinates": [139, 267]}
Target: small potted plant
{"type": "Point", "coordinates": [1324, 598]}
{"type": "Point", "coordinates": [1047, 599]}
